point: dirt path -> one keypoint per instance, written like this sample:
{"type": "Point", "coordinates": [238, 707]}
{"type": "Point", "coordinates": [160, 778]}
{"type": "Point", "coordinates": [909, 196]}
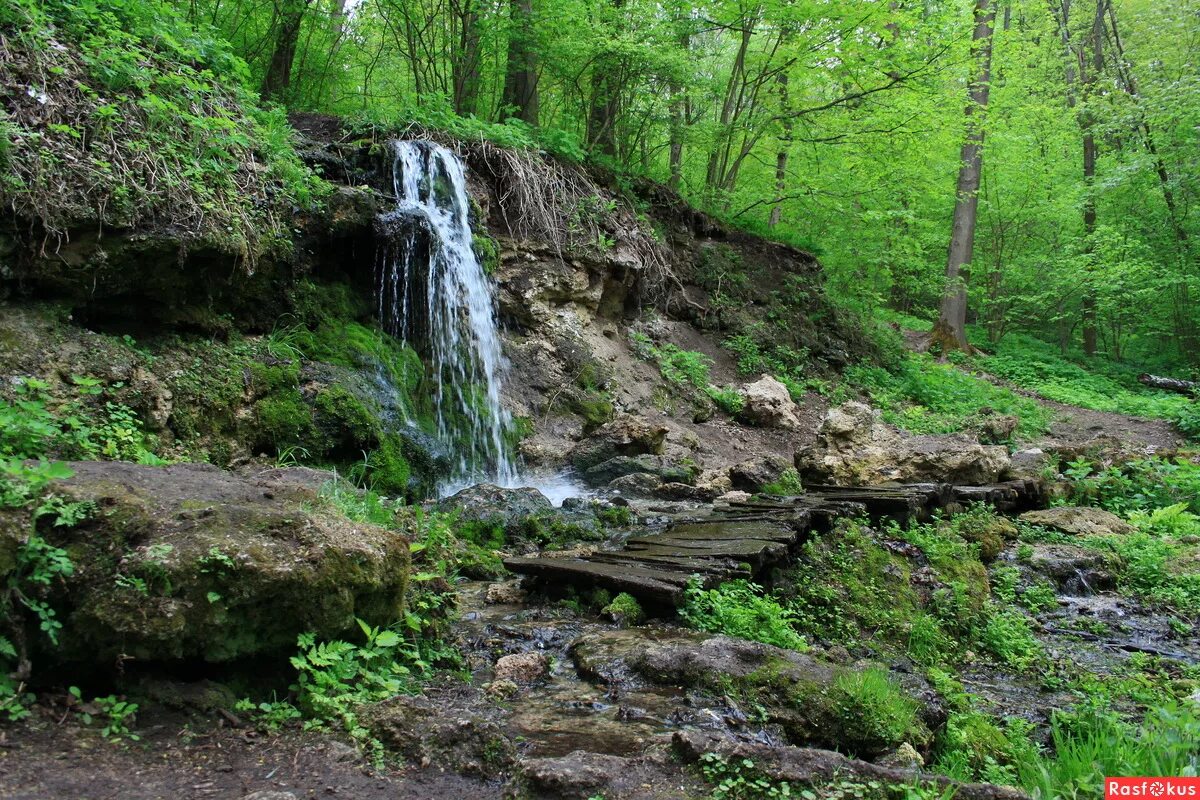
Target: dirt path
{"type": "Point", "coordinates": [178, 759]}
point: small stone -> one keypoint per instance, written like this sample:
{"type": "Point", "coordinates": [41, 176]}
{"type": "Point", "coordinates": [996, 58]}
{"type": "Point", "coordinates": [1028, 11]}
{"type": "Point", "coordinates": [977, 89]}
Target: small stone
{"type": "Point", "coordinates": [268, 794]}
{"type": "Point", "coordinates": [905, 756]}
{"type": "Point", "coordinates": [500, 690]}
{"type": "Point", "coordinates": [522, 667]}
{"type": "Point", "coordinates": [769, 404]}
{"type": "Point", "coordinates": [734, 497]}
{"type": "Point", "coordinates": [504, 594]}
{"type": "Point", "coordinates": [1079, 521]}
{"type": "Point", "coordinates": [340, 751]}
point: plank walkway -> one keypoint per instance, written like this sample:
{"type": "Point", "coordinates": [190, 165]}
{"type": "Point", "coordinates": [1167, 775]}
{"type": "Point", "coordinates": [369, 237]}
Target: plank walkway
{"type": "Point", "coordinates": [746, 539]}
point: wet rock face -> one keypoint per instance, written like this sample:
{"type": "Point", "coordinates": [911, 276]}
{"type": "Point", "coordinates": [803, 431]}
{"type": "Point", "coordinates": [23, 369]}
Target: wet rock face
{"type": "Point", "coordinates": [190, 562]}
{"type": "Point", "coordinates": [1079, 521]}
{"type": "Point", "coordinates": [1077, 570]}
{"type": "Point", "coordinates": [485, 502]}
{"type": "Point", "coordinates": [768, 404]}
{"type": "Point", "coordinates": [811, 699]}
{"type": "Point", "coordinates": [625, 437]}
{"type": "Point", "coordinates": [855, 448]}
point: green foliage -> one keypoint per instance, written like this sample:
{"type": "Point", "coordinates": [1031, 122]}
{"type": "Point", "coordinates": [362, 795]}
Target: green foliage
{"type": "Point", "coordinates": [625, 608]}
{"type": "Point", "coordinates": [1097, 384]}
{"type": "Point", "coordinates": [151, 125]}
{"type": "Point", "coordinates": [739, 779]}
{"type": "Point", "coordinates": [739, 608]}
{"type": "Point", "coordinates": [32, 425]}
{"type": "Point", "coordinates": [924, 396]}
{"type": "Point", "coordinates": [871, 707]}
{"type": "Point", "coordinates": [1140, 485]}
{"type": "Point", "coordinates": [1090, 745]}
{"type": "Point", "coordinates": [786, 485]}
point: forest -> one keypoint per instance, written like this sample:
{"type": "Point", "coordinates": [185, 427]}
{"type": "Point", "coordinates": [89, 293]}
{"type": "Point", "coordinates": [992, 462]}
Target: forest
{"type": "Point", "coordinates": [1055, 139]}
{"type": "Point", "coordinates": [599, 399]}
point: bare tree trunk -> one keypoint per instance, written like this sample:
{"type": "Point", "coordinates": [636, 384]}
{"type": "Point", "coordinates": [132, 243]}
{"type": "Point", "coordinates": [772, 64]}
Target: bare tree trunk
{"type": "Point", "coordinates": [465, 58]}
{"type": "Point", "coordinates": [290, 16]}
{"type": "Point", "coordinates": [717, 162]}
{"type": "Point", "coordinates": [950, 332]}
{"type": "Point", "coordinates": [605, 105]}
{"type": "Point", "coordinates": [678, 113]}
{"type": "Point", "coordinates": [1087, 121]}
{"type": "Point", "coordinates": [785, 143]}
{"type": "Point", "coordinates": [520, 97]}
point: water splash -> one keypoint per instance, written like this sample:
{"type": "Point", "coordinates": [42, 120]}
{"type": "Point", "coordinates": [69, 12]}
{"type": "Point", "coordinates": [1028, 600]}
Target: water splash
{"type": "Point", "coordinates": [434, 294]}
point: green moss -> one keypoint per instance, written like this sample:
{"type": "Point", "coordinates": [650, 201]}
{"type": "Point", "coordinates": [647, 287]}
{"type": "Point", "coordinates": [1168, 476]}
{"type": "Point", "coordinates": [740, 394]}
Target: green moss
{"type": "Point", "coordinates": [346, 417]}
{"type": "Point", "coordinates": [390, 471]}
{"type": "Point", "coordinates": [625, 609]}
{"type": "Point", "coordinates": [283, 421]}
{"type": "Point", "coordinates": [487, 252]}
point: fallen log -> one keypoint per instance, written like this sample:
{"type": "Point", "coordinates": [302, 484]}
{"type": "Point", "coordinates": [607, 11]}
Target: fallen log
{"type": "Point", "coordinates": [1170, 384]}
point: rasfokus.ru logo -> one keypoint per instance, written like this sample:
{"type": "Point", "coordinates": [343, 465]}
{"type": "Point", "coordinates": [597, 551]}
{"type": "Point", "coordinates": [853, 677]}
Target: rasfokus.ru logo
{"type": "Point", "coordinates": [1151, 787]}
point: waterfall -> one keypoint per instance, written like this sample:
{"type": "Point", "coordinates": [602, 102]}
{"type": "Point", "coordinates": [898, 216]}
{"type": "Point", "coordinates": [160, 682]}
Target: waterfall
{"type": "Point", "coordinates": [433, 294]}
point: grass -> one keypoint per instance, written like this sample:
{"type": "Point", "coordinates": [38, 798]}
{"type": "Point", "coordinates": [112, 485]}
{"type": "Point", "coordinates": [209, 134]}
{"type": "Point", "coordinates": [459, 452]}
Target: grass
{"type": "Point", "coordinates": [739, 608]}
{"type": "Point", "coordinates": [922, 395]}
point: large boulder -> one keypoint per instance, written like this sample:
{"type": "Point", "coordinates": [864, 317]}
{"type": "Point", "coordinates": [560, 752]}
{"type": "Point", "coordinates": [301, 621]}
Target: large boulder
{"type": "Point", "coordinates": [854, 447]}
{"type": "Point", "coordinates": [485, 502]}
{"type": "Point", "coordinates": [768, 404]}
{"type": "Point", "coordinates": [1078, 521]}
{"type": "Point", "coordinates": [624, 437]}
{"type": "Point", "coordinates": [191, 562]}
{"type": "Point", "coordinates": [661, 467]}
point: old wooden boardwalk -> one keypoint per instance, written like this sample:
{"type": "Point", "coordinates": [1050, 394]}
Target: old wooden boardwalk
{"type": "Point", "coordinates": [745, 539]}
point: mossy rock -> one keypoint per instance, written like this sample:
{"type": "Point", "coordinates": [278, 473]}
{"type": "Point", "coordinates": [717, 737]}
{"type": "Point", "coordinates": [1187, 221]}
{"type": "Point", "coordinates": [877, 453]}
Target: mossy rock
{"type": "Point", "coordinates": [191, 562]}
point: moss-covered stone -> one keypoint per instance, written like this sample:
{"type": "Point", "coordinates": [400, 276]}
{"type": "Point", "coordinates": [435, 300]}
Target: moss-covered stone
{"type": "Point", "coordinates": [189, 562]}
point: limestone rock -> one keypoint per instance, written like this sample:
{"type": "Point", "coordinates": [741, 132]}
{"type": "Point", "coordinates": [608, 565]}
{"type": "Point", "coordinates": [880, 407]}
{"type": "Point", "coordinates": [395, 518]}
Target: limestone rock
{"type": "Point", "coordinates": [486, 502]}
{"type": "Point", "coordinates": [637, 484]}
{"type": "Point", "coordinates": [905, 756]}
{"type": "Point", "coordinates": [230, 564]}
{"type": "Point", "coordinates": [504, 594]}
{"type": "Point", "coordinates": [1078, 521]}
{"type": "Point", "coordinates": [577, 775]}
{"type": "Point", "coordinates": [625, 436]}
{"type": "Point", "coordinates": [662, 467]}
{"type": "Point", "coordinates": [1072, 569]}
{"type": "Point", "coordinates": [769, 405]}
{"type": "Point", "coordinates": [522, 668]}
{"type": "Point", "coordinates": [752, 475]}
{"type": "Point", "coordinates": [1030, 463]}
{"type": "Point", "coordinates": [428, 730]}
{"type": "Point", "coordinates": [854, 447]}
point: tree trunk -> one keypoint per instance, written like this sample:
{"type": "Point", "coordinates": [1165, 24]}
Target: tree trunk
{"type": "Point", "coordinates": [605, 105]}
{"type": "Point", "coordinates": [1170, 384]}
{"type": "Point", "coordinates": [678, 112]}
{"type": "Point", "coordinates": [1087, 121]}
{"type": "Point", "coordinates": [290, 16]}
{"type": "Point", "coordinates": [465, 59]}
{"type": "Point", "coordinates": [785, 143]}
{"type": "Point", "coordinates": [950, 332]}
{"type": "Point", "coordinates": [520, 97]}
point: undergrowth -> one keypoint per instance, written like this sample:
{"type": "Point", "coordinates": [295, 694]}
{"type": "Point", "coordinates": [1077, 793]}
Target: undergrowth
{"type": "Point", "coordinates": [124, 114]}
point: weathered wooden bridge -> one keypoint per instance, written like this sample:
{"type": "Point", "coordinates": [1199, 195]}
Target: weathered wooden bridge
{"type": "Point", "coordinates": [745, 539]}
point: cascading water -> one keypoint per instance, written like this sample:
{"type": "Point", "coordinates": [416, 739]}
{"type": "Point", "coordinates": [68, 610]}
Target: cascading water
{"type": "Point", "coordinates": [434, 294]}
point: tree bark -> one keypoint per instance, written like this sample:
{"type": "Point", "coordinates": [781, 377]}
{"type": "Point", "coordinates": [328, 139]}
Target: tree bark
{"type": "Point", "coordinates": [290, 16]}
{"type": "Point", "coordinates": [785, 144]}
{"type": "Point", "coordinates": [1087, 121]}
{"type": "Point", "coordinates": [520, 98]}
{"type": "Point", "coordinates": [465, 58]}
{"type": "Point", "coordinates": [950, 332]}
{"type": "Point", "coordinates": [605, 105]}
{"type": "Point", "coordinates": [1170, 384]}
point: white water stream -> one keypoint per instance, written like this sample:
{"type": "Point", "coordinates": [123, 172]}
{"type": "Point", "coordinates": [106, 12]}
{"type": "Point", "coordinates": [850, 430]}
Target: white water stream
{"type": "Point", "coordinates": [434, 294]}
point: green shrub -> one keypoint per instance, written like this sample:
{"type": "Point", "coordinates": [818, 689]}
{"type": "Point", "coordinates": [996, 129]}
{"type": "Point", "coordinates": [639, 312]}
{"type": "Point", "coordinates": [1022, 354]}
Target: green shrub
{"type": "Point", "coordinates": [739, 608]}
{"type": "Point", "coordinates": [1141, 485]}
{"type": "Point", "coordinates": [787, 484]}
